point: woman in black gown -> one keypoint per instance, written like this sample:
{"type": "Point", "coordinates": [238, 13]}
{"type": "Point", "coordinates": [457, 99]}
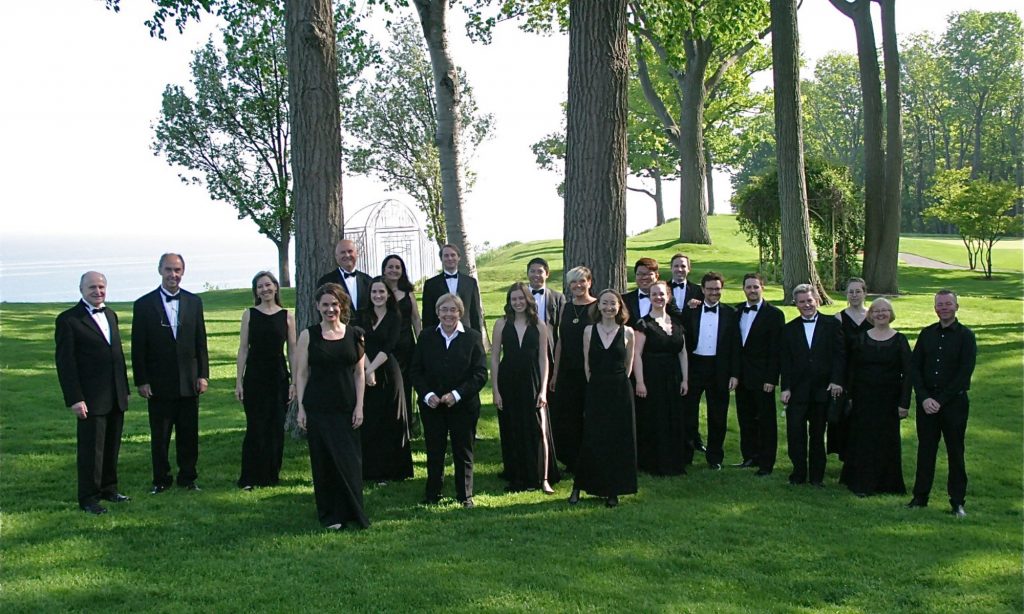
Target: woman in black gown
{"type": "Point", "coordinates": [659, 366]}
{"type": "Point", "coordinates": [329, 381]}
{"type": "Point", "coordinates": [568, 382]}
{"type": "Point", "coordinates": [385, 430]}
{"type": "Point", "coordinates": [261, 381]}
{"type": "Point", "coordinates": [396, 276]}
{"type": "Point", "coordinates": [880, 363]}
{"type": "Point", "coordinates": [607, 463]}
{"type": "Point", "coordinates": [520, 393]}
{"type": "Point", "coordinates": [854, 321]}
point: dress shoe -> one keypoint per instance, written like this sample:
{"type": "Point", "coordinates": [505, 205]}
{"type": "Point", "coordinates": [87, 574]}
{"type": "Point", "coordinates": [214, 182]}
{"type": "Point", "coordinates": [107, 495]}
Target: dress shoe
{"type": "Point", "coordinates": [715, 466]}
{"type": "Point", "coordinates": [157, 489]}
{"type": "Point", "coordinates": [115, 498]}
{"type": "Point", "coordinates": [818, 484]}
{"type": "Point", "coordinates": [191, 486]}
{"type": "Point", "coordinates": [574, 497]}
{"type": "Point", "coordinates": [959, 511]}
{"type": "Point", "coordinates": [96, 508]}
{"type": "Point", "coordinates": [761, 473]}
{"type": "Point", "coordinates": [795, 481]}
{"type": "Point", "coordinates": [468, 504]}
{"type": "Point", "coordinates": [746, 464]}
{"type": "Point", "coordinates": [612, 501]}
{"type": "Point", "coordinates": [916, 502]}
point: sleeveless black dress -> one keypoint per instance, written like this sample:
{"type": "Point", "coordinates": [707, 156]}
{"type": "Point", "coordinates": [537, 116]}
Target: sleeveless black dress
{"type": "Point", "coordinates": [406, 346]}
{"type": "Point", "coordinates": [526, 436]}
{"type": "Point", "coordinates": [265, 398]}
{"type": "Point", "coordinates": [335, 454]}
{"type": "Point", "coordinates": [607, 461]}
{"type": "Point", "coordinates": [836, 433]}
{"type": "Point", "coordinates": [570, 385]}
{"type": "Point", "coordinates": [660, 433]}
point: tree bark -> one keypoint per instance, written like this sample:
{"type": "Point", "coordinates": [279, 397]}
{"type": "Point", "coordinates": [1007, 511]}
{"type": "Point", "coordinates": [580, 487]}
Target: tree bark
{"type": "Point", "coordinates": [659, 197]}
{"type": "Point", "coordinates": [709, 170]}
{"type": "Point", "coordinates": [595, 163]}
{"type": "Point", "coordinates": [884, 276]}
{"type": "Point", "coordinates": [316, 145]}
{"type": "Point", "coordinates": [797, 262]}
{"type": "Point", "coordinates": [693, 204]}
{"type": "Point", "coordinates": [284, 273]}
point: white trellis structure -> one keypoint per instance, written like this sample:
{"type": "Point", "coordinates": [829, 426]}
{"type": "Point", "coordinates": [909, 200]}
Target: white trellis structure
{"type": "Point", "coordinates": [391, 227]}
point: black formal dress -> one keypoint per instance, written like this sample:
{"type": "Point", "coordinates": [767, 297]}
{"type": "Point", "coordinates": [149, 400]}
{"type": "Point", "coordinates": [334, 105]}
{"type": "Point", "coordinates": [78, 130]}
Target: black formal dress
{"type": "Point", "coordinates": [335, 453]}
{"type": "Point", "coordinates": [879, 385]}
{"type": "Point", "coordinates": [405, 348]}
{"type": "Point", "coordinates": [526, 437]}
{"type": "Point", "coordinates": [660, 431]}
{"type": "Point", "coordinates": [570, 385]}
{"type": "Point", "coordinates": [385, 430]}
{"type": "Point", "coordinates": [836, 433]}
{"type": "Point", "coordinates": [607, 463]}
{"type": "Point", "coordinates": [92, 369]}
{"type": "Point", "coordinates": [265, 398]}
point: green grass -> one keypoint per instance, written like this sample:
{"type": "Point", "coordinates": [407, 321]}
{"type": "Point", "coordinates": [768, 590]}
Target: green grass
{"type": "Point", "coordinates": [1006, 254]}
{"type": "Point", "coordinates": [709, 542]}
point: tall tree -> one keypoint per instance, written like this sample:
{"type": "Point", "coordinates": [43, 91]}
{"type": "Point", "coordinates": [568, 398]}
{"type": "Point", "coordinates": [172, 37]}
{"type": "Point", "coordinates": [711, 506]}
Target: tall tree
{"type": "Point", "coordinates": [797, 262]}
{"type": "Point", "coordinates": [833, 113]}
{"type": "Point", "coordinates": [595, 164]}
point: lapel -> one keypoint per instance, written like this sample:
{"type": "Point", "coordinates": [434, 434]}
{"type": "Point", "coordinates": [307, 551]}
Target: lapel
{"type": "Point", "coordinates": [161, 313]}
{"type": "Point", "coordinates": [816, 337]}
{"type": "Point", "coordinates": [91, 324]}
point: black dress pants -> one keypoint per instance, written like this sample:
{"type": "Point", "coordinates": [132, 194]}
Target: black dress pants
{"type": "Point", "coordinates": [759, 426]}
{"type": "Point", "coordinates": [949, 424]}
{"type": "Point", "coordinates": [805, 423]}
{"type": "Point", "coordinates": [458, 424]}
{"type": "Point", "coordinates": [99, 442]}
{"type": "Point", "coordinates": [182, 417]}
{"type": "Point", "coordinates": [702, 380]}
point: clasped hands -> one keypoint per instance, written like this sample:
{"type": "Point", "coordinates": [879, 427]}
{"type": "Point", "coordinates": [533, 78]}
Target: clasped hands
{"type": "Point", "coordinates": [447, 398]}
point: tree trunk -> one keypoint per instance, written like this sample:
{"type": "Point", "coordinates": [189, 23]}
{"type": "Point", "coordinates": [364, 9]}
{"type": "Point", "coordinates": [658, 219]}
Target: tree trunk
{"type": "Point", "coordinates": [883, 278]}
{"type": "Point", "coordinates": [659, 197]}
{"type": "Point", "coordinates": [709, 170]}
{"type": "Point", "coordinates": [284, 273]}
{"type": "Point", "coordinates": [595, 160]}
{"type": "Point", "coordinates": [693, 204]}
{"type": "Point", "coordinates": [316, 145]}
{"type": "Point", "coordinates": [797, 263]}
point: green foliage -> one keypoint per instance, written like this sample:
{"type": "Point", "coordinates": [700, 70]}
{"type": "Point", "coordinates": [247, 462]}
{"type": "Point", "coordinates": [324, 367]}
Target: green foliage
{"type": "Point", "coordinates": [832, 113]}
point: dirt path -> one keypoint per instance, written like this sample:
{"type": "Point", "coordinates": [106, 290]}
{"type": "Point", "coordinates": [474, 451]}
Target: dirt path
{"type": "Point", "coordinates": [928, 263]}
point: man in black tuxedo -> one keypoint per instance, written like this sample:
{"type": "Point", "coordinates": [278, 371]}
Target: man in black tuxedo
{"type": "Point", "coordinates": [683, 292]}
{"type": "Point", "coordinates": [550, 303]}
{"type": "Point", "coordinates": [449, 367]}
{"type": "Point", "coordinates": [812, 362]}
{"type": "Point", "coordinates": [943, 362]}
{"type": "Point", "coordinates": [355, 283]}
{"type": "Point", "coordinates": [172, 368]}
{"type": "Point", "coordinates": [451, 281]}
{"type": "Point", "coordinates": [94, 381]}
{"type": "Point", "coordinates": [760, 325]}
{"type": "Point", "coordinates": [713, 348]}
{"type": "Point", "coordinates": [638, 301]}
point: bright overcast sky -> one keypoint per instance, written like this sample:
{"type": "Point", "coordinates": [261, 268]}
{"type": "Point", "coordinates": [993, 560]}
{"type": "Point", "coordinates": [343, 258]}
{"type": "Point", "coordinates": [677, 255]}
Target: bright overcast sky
{"type": "Point", "coordinates": [84, 86]}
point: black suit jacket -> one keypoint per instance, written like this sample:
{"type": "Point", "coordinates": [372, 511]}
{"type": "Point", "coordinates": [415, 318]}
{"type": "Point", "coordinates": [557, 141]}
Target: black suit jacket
{"type": "Point", "coordinates": [554, 303]}
{"type": "Point", "coordinates": [461, 367]}
{"type": "Point", "coordinates": [170, 366]}
{"type": "Point", "coordinates": [807, 371]}
{"type": "Point", "coordinates": [362, 286]}
{"type": "Point", "coordinates": [759, 356]}
{"type": "Point", "coordinates": [727, 350]}
{"type": "Point", "coordinates": [632, 301]}
{"type": "Point", "coordinates": [90, 369]}
{"type": "Point", "coordinates": [468, 291]}
{"type": "Point", "coordinates": [693, 291]}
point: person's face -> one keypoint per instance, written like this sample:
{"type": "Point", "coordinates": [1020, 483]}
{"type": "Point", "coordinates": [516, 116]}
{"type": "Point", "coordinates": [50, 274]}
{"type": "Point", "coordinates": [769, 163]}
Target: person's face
{"type": "Point", "coordinates": [712, 291]}
{"type": "Point", "coordinates": [378, 294]}
{"type": "Point", "coordinates": [449, 259]}
{"type": "Point", "coordinates": [658, 296]}
{"type": "Point", "coordinates": [393, 269]}
{"type": "Point", "coordinates": [94, 289]}
{"type": "Point", "coordinates": [680, 269]}
{"type": "Point", "coordinates": [807, 304]}
{"type": "Point", "coordinates": [517, 300]}
{"type": "Point", "coordinates": [753, 290]}
{"type": "Point", "coordinates": [880, 316]}
{"type": "Point", "coordinates": [329, 308]}
{"type": "Point", "coordinates": [580, 287]}
{"type": "Point", "coordinates": [171, 271]}
{"type": "Point", "coordinates": [946, 307]}
{"type": "Point", "coordinates": [608, 305]}
{"type": "Point", "coordinates": [537, 275]}
{"type": "Point", "coordinates": [645, 277]}
{"type": "Point", "coordinates": [855, 294]}
{"type": "Point", "coordinates": [448, 313]}
{"type": "Point", "coordinates": [266, 289]}
{"type": "Point", "coordinates": [345, 253]}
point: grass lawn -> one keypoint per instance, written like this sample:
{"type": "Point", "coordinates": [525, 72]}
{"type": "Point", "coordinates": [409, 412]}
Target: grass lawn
{"type": "Point", "coordinates": [709, 542]}
{"type": "Point", "coordinates": [1006, 254]}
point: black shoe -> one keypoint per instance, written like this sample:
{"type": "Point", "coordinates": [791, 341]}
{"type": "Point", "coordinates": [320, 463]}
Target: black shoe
{"type": "Point", "coordinates": [191, 486]}
{"type": "Point", "coordinates": [917, 502]}
{"type": "Point", "coordinates": [795, 481]}
{"type": "Point", "coordinates": [115, 498]}
{"type": "Point", "coordinates": [157, 489]}
{"type": "Point", "coordinates": [818, 484]}
{"type": "Point", "coordinates": [700, 447]}
{"type": "Point", "coordinates": [468, 504]}
{"type": "Point", "coordinates": [94, 508]}
{"type": "Point", "coordinates": [763, 473]}
{"type": "Point", "coordinates": [612, 501]}
{"type": "Point", "coordinates": [715, 466]}
{"type": "Point", "coordinates": [431, 500]}
{"type": "Point", "coordinates": [574, 497]}
{"type": "Point", "coordinates": [746, 464]}
{"type": "Point", "coordinates": [959, 511]}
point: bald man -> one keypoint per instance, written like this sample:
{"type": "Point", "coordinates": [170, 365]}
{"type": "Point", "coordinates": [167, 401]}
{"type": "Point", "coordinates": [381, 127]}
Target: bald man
{"type": "Point", "coordinates": [356, 283]}
{"type": "Point", "coordinates": [94, 380]}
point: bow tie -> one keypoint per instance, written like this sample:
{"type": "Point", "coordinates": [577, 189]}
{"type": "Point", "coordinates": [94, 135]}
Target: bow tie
{"type": "Point", "coordinates": [642, 295]}
{"type": "Point", "coordinates": [811, 321]}
{"type": "Point", "coordinates": [93, 310]}
{"type": "Point", "coordinates": [451, 275]}
{"type": "Point", "coordinates": [538, 291]}
{"type": "Point", "coordinates": [677, 284]}
{"type": "Point", "coordinates": [749, 308]}
{"type": "Point", "coordinates": [168, 298]}
{"type": "Point", "coordinates": [346, 274]}
{"type": "Point", "coordinates": [710, 309]}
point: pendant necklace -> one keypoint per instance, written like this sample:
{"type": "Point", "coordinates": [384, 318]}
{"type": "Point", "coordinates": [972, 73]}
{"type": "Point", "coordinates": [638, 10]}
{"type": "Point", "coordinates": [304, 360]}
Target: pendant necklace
{"type": "Point", "coordinates": [576, 313]}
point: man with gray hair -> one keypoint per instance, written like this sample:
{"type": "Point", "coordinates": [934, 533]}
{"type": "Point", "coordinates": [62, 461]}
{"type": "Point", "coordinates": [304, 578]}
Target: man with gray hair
{"type": "Point", "coordinates": [94, 380]}
{"type": "Point", "coordinates": [812, 361]}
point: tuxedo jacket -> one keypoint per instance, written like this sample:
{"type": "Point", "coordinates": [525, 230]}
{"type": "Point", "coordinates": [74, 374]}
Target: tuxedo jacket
{"type": "Point", "coordinates": [632, 301]}
{"type": "Point", "coordinates": [468, 291]}
{"type": "Point", "coordinates": [727, 350]}
{"type": "Point", "coordinates": [693, 291]}
{"type": "Point", "coordinates": [554, 303]}
{"type": "Point", "coordinates": [170, 366]}
{"type": "Point", "coordinates": [807, 371]}
{"type": "Point", "coordinates": [90, 369]}
{"type": "Point", "coordinates": [362, 286]}
{"type": "Point", "coordinates": [759, 356]}
{"type": "Point", "coordinates": [461, 367]}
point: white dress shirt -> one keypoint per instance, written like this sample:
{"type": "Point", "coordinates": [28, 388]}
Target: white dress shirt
{"type": "Point", "coordinates": [679, 295]}
{"type": "Point", "coordinates": [644, 301]}
{"type": "Point", "coordinates": [707, 343]}
{"type": "Point", "coordinates": [352, 284]}
{"type": "Point", "coordinates": [452, 283]}
{"type": "Point", "coordinates": [171, 309]}
{"type": "Point", "coordinates": [809, 329]}
{"type": "Point", "coordinates": [542, 304]}
{"type": "Point", "coordinates": [100, 319]}
{"type": "Point", "coordinates": [747, 319]}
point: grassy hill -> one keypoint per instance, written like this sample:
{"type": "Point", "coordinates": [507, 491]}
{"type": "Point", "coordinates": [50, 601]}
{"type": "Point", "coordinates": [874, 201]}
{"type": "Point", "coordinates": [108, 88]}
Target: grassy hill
{"type": "Point", "coordinates": [710, 541]}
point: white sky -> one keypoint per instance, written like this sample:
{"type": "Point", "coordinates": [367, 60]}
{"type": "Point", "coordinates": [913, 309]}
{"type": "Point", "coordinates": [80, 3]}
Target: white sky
{"type": "Point", "coordinates": [84, 86]}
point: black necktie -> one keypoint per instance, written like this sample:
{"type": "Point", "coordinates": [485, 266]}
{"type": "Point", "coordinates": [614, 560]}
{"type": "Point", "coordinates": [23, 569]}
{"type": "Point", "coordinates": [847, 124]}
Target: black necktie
{"type": "Point", "coordinates": [98, 309]}
{"type": "Point", "coordinates": [678, 284]}
{"type": "Point", "coordinates": [346, 275]}
{"type": "Point", "coordinates": [168, 298]}
{"type": "Point", "coordinates": [451, 275]}
{"type": "Point", "coordinates": [538, 291]}
{"type": "Point", "coordinates": [749, 308]}
{"type": "Point", "coordinates": [710, 309]}
{"type": "Point", "coordinates": [811, 321]}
